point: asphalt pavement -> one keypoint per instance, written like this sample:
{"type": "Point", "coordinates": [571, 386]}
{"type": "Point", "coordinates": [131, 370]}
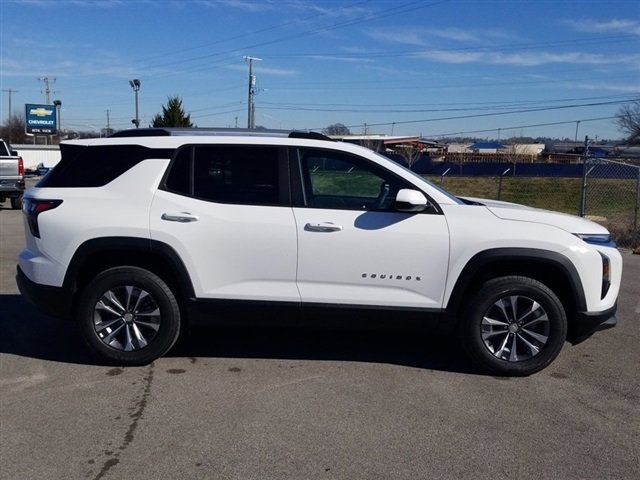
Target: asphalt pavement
{"type": "Point", "coordinates": [293, 404]}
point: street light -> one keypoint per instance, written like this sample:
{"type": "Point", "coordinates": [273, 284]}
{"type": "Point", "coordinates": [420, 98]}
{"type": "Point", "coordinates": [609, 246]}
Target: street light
{"type": "Point", "coordinates": [58, 105]}
{"type": "Point", "coordinates": [135, 84]}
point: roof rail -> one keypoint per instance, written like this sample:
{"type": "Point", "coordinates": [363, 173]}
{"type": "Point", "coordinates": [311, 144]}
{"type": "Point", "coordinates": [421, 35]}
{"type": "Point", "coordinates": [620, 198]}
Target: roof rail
{"type": "Point", "coordinates": [310, 136]}
{"type": "Point", "coordinates": [241, 132]}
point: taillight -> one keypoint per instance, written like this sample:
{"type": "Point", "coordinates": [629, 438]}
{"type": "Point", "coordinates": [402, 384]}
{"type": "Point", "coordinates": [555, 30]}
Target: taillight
{"type": "Point", "coordinates": [20, 167]}
{"type": "Point", "coordinates": [33, 207]}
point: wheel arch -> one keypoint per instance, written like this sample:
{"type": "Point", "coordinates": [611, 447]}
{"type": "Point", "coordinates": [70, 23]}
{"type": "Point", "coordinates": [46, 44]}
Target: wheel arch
{"type": "Point", "coordinates": [551, 268]}
{"type": "Point", "coordinates": [99, 254]}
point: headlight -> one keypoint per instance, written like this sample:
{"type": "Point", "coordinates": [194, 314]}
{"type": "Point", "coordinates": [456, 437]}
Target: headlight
{"type": "Point", "coordinates": [602, 239]}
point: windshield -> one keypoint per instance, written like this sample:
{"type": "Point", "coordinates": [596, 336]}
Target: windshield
{"type": "Point", "coordinates": [416, 175]}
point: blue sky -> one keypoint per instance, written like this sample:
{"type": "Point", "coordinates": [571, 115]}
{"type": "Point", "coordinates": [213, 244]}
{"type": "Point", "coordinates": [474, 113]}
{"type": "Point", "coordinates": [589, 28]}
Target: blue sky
{"type": "Point", "coordinates": [325, 61]}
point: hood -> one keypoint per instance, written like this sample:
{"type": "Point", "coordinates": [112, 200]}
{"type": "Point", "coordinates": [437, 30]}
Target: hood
{"type": "Point", "coordinates": [514, 211]}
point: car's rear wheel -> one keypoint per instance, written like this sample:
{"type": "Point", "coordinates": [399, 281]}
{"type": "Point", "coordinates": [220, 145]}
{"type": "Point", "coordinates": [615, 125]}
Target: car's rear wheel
{"type": "Point", "coordinates": [514, 326]}
{"type": "Point", "coordinates": [16, 202]}
{"type": "Point", "coordinates": [128, 316]}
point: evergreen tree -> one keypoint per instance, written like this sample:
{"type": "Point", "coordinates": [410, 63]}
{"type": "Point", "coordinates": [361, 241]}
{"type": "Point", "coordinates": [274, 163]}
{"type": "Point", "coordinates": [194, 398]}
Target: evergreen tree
{"type": "Point", "coordinates": [172, 115]}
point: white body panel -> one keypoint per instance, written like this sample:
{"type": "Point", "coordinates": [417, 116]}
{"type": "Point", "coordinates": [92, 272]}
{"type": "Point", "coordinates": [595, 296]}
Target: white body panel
{"type": "Point", "coordinates": [361, 263]}
{"type": "Point", "coordinates": [231, 251]}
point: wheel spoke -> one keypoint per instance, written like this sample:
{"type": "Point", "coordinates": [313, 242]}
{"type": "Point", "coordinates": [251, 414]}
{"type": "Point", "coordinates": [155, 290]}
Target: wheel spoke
{"type": "Point", "coordinates": [539, 337]}
{"type": "Point", "coordinates": [155, 313]}
{"type": "Point", "coordinates": [541, 318]}
{"type": "Point", "coordinates": [109, 338]}
{"type": "Point", "coordinates": [129, 340]}
{"type": "Point", "coordinates": [142, 342]}
{"type": "Point", "coordinates": [101, 305]}
{"type": "Point", "coordinates": [106, 324]}
{"type": "Point", "coordinates": [493, 321]}
{"type": "Point", "coordinates": [114, 301]}
{"type": "Point", "coordinates": [487, 335]}
{"type": "Point", "coordinates": [500, 304]}
{"type": "Point", "coordinates": [503, 345]}
{"type": "Point", "coordinates": [535, 306]}
{"type": "Point", "coordinates": [154, 326]}
{"type": "Point", "coordinates": [534, 350]}
{"type": "Point", "coordinates": [513, 354]}
{"type": "Point", "coordinates": [513, 300]}
{"type": "Point", "coordinates": [141, 296]}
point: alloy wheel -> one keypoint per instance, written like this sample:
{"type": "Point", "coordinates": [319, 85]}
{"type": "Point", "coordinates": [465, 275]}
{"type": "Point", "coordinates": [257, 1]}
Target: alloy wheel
{"type": "Point", "coordinates": [515, 328]}
{"type": "Point", "coordinates": [126, 318]}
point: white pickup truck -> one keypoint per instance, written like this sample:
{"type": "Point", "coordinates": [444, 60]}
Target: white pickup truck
{"type": "Point", "coordinates": [11, 175]}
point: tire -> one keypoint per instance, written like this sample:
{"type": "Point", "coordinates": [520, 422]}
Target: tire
{"type": "Point", "coordinates": [16, 202]}
{"type": "Point", "coordinates": [119, 332]}
{"type": "Point", "coordinates": [488, 331]}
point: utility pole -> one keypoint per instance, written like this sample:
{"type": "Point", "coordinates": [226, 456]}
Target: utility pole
{"type": "Point", "coordinates": [576, 137]}
{"type": "Point", "coordinates": [108, 122]}
{"type": "Point", "coordinates": [236, 121]}
{"type": "Point", "coordinates": [47, 88]}
{"type": "Point", "coordinates": [10, 92]}
{"type": "Point", "coordinates": [251, 111]}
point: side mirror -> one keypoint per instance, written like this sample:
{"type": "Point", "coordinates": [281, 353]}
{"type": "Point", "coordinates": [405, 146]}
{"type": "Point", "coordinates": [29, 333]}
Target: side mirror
{"type": "Point", "coordinates": [409, 200]}
{"type": "Point", "coordinates": [14, 153]}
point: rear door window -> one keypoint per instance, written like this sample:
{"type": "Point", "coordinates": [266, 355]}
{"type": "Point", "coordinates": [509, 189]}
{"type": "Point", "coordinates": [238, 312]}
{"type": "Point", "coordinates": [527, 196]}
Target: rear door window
{"type": "Point", "coordinates": [237, 174]}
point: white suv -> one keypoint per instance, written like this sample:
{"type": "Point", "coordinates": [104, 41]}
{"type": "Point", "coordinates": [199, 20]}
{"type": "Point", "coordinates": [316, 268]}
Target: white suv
{"type": "Point", "coordinates": [137, 235]}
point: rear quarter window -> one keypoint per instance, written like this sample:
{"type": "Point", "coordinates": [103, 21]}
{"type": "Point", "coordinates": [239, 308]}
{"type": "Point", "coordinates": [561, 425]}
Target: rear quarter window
{"type": "Point", "coordinates": [96, 166]}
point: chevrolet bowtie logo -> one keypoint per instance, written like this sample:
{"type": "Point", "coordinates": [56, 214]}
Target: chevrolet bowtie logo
{"type": "Point", "coordinates": [40, 112]}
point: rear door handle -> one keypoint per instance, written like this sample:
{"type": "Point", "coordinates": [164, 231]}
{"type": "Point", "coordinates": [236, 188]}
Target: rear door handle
{"type": "Point", "coordinates": [322, 227]}
{"type": "Point", "coordinates": [182, 217]}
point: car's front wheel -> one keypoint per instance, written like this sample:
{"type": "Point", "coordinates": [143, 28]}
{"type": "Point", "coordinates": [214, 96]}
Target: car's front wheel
{"type": "Point", "coordinates": [128, 316]}
{"type": "Point", "coordinates": [514, 326]}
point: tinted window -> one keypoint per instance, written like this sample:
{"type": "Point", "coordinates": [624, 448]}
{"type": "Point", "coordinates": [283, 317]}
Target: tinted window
{"type": "Point", "coordinates": [96, 166]}
{"type": "Point", "coordinates": [339, 181]}
{"type": "Point", "coordinates": [4, 152]}
{"type": "Point", "coordinates": [236, 174]}
{"type": "Point", "coordinates": [179, 178]}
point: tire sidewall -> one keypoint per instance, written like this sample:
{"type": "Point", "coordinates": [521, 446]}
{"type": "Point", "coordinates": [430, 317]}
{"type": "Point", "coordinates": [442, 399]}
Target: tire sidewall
{"type": "Point", "coordinates": [169, 314]}
{"type": "Point", "coordinates": [486, 297]}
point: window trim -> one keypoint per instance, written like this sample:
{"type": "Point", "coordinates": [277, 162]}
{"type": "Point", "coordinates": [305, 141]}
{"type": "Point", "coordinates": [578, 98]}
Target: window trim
{"type": "Point", "coordinates": [299, 186]}
{"type": "Point", "coordinates": [284, 191]}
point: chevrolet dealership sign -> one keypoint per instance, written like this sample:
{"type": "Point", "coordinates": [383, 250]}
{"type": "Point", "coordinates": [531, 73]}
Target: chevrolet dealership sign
{"type": "Point", "coordinates": [41, 119]}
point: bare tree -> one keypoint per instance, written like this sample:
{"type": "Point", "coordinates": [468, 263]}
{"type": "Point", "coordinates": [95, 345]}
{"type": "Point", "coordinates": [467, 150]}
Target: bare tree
{"type": "Point", "coordinates": [410, 153]}
{"type": "Point", "coordinates": [628, 120]}
{"type": "Point", "coordinates": [14, 130]}
{"type": "Point", "coordinates": [336, 129]}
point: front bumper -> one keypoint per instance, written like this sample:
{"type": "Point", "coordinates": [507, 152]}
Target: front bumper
{"type": "Point", "coordinates": [588, 323]}
{"type": "Point", "coordinates": [54, 301]}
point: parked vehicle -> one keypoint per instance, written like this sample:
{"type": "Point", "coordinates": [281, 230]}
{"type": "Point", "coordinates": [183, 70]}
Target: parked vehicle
{"type": "Point", "coordinates": [11, 175]}
{"type": "Point", "coordinates": [137, 235]}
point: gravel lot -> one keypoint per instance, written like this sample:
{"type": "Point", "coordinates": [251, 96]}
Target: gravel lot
{"type": "Point", "coordinates": [293, 404]}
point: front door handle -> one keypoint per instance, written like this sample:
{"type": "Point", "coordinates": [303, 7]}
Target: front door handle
{"type": "Point", "coordinates": [182, 217]}
{"type": "Point", "coordinates": [322, 227]}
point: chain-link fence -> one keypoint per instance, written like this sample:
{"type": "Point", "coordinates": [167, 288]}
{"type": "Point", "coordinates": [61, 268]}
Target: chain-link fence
{"type": "Point", "coordinates": [612, 197]}
{"type": "Point", "coordinates": [609, 193]}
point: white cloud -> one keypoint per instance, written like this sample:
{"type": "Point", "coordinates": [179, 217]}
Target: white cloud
{"type": "Point", "coordinates": [425, 35]}
{"type": "Point", "coordinates": [529, 59]}
{"type": "Point", "coordinates": [271, 71]}
{"type": "Point", "coordinates": [615, 25]}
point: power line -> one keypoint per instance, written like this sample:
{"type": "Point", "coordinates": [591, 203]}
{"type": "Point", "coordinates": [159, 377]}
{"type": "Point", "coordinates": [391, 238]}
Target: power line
{"type": "Point", "coordinates": [532, 125]}
{"type": "Point", "coordinates": [413, 104]}
{"type": "Point", "coordinates": [492, 114]}
{"type": "Point", "coordinates": [458, 109]}
{"type": "Point", "coordinates": [477, 48]}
